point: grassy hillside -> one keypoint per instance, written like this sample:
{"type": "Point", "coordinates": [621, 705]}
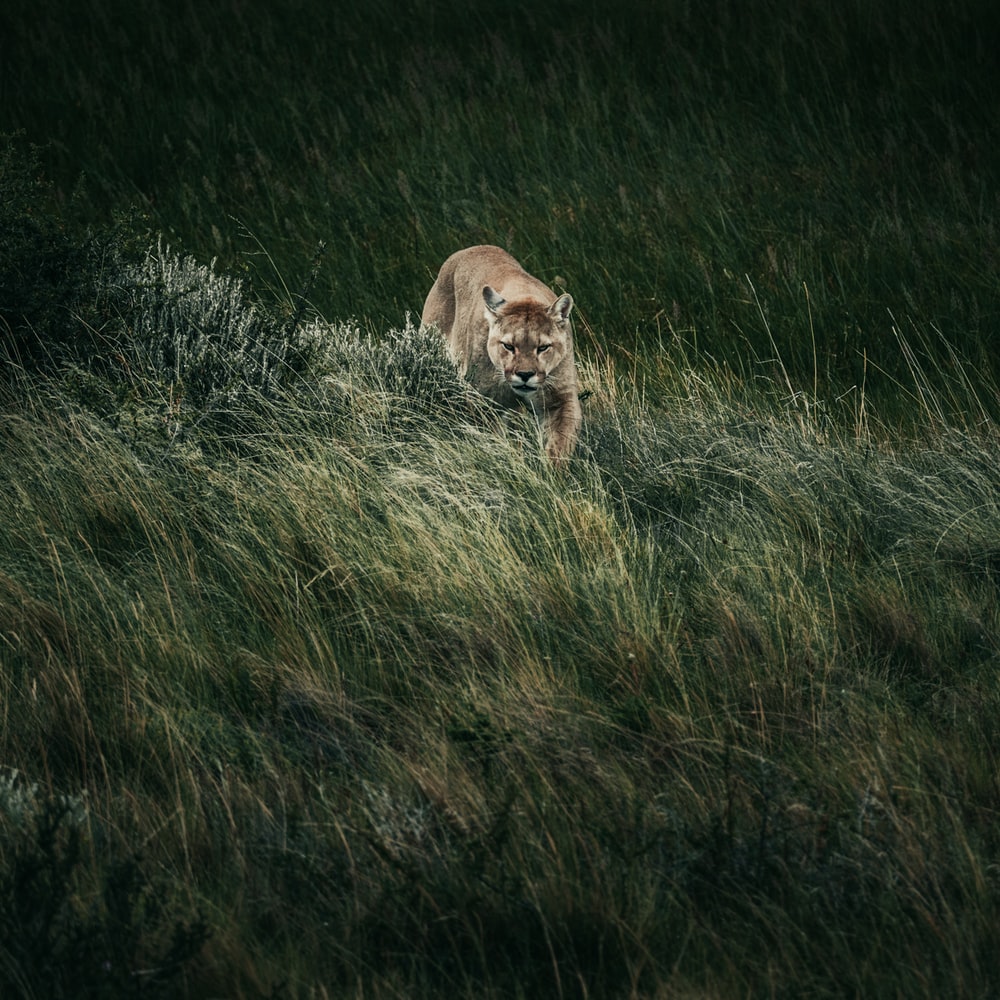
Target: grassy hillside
{"type": "Point", "coordinates": [317, 680]}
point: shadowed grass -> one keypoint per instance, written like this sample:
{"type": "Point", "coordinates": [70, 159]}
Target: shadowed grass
{"type": "Point", "coordinates": [658, 162]}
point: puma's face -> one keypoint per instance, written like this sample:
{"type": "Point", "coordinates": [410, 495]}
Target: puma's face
{"type": "Point", "coordinates": [526, 340]}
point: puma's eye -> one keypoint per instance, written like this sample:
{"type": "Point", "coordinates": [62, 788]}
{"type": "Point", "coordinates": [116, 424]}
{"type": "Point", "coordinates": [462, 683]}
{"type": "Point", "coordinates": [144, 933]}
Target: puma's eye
{"type": "Point", "coordinates": [508, 347]}
{"type": "Point", "coordinates": [542, 348]}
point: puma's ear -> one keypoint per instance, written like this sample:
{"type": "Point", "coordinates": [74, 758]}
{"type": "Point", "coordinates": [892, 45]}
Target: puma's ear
{"type": "Point", "coordinates": [561, 308]}
{"type": "Point", "coordinates": [492, 299]}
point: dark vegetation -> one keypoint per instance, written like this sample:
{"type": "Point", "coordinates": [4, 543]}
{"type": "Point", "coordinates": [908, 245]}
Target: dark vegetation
{"type": "Point", "coordinates": [317, 681]}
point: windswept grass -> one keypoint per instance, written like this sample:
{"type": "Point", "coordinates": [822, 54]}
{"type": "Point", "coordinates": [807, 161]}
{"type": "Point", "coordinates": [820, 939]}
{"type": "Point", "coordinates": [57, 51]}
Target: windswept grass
{"type": "Point", "coordinates": [396, 708]}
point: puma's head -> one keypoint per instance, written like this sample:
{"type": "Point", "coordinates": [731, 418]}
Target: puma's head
{"type": "Point", "coordinates": [526, 340]}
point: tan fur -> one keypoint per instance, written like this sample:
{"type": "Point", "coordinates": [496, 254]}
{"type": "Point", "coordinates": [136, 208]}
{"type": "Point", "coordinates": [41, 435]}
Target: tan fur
{"type": "Point", "coordinates": [511, 337]}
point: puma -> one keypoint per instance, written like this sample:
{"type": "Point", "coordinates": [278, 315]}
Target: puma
{"type": "Point", "coordinates": [510, 335]}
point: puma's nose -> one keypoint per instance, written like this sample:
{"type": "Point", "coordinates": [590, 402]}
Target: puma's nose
{"type": "Point", "coordinates": [524, 376]}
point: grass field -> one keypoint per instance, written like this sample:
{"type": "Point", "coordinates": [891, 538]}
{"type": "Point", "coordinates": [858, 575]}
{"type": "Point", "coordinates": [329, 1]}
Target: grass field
{"type": "Point", "coordinates": [316, 680]}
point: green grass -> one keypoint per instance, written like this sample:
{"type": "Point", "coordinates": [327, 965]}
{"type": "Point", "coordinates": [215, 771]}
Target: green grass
{"type": "Point", "coordinates": [396, 708]}
{"type": "Point", "coordinates": [317, 680]}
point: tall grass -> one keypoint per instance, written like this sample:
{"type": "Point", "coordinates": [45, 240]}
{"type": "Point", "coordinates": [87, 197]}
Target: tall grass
{"type": "Point", "coordinates": [396, 708]}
